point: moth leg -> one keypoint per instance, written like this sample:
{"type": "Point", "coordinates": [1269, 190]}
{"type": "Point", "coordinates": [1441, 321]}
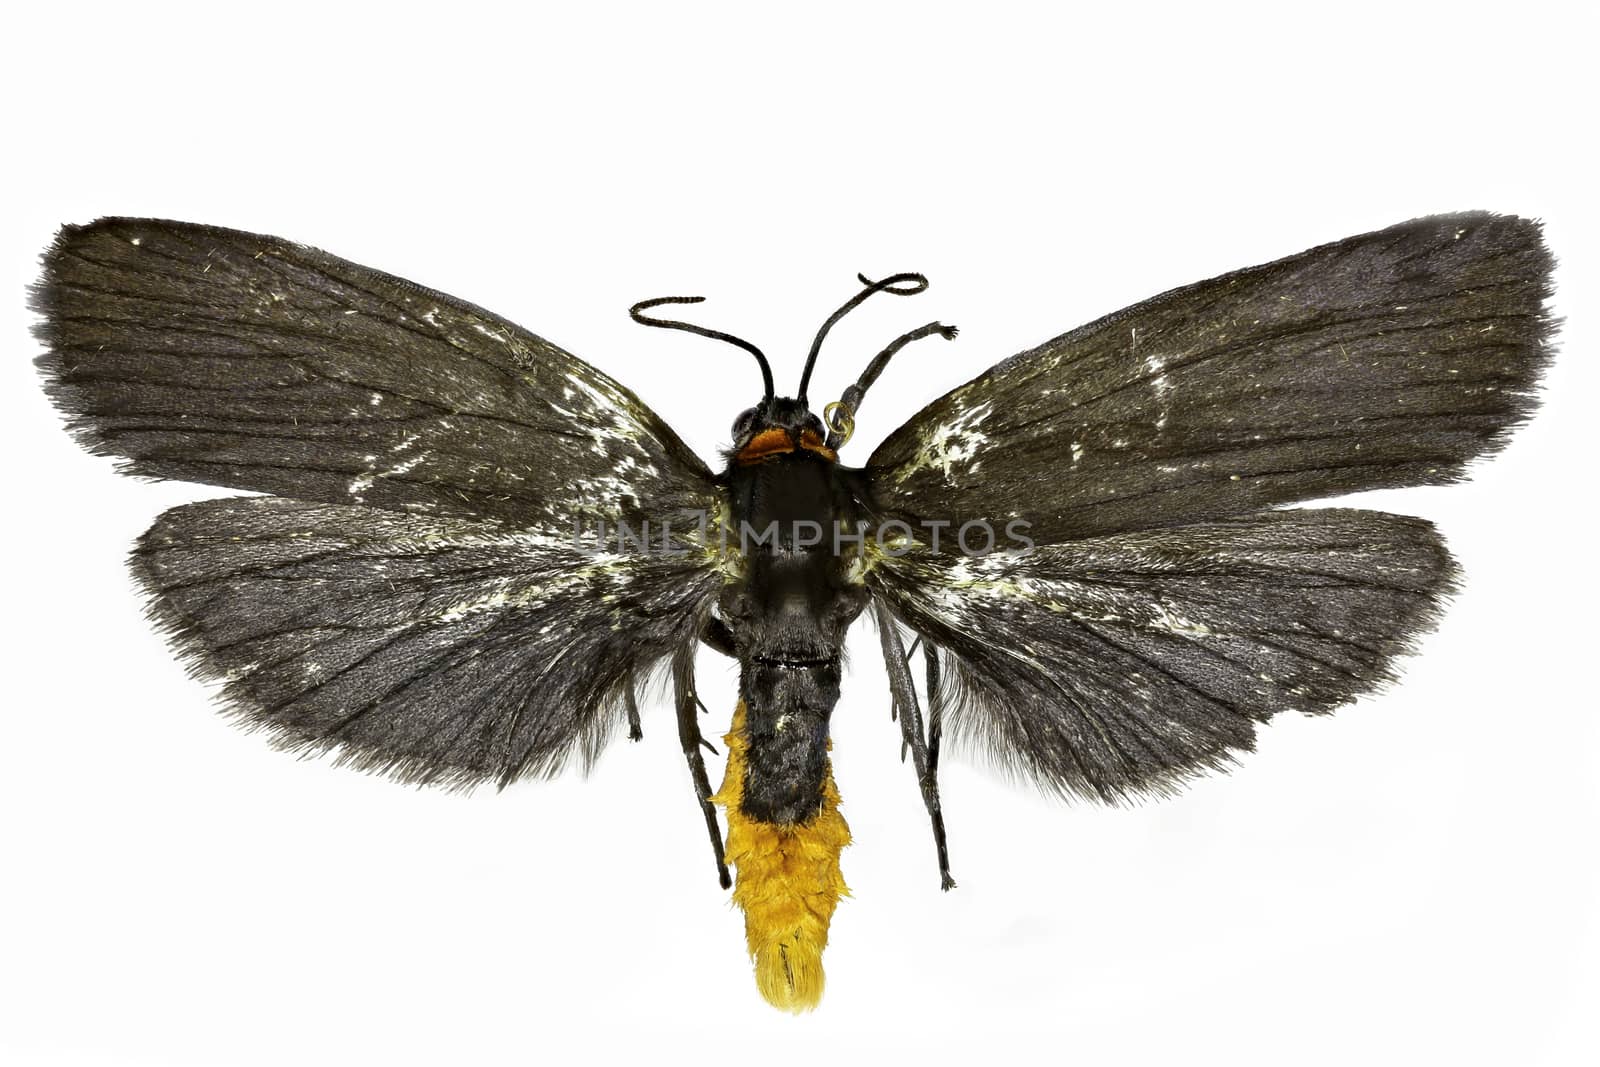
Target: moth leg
{"type": "Point", "coordinates": [635, 731]}
{"type": "Point", "coordinates": [718, 637]}
{"type": "Point", "coordinates": [689, 736]}
{"type": "Point", "coordinates": [904, 694]}
{"type": "Point", "coordinates": [935, 719]}
{"type": "Point", "coordinates": [893, 708]}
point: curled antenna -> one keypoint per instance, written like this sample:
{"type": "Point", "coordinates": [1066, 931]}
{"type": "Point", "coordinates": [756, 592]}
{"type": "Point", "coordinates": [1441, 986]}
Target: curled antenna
{"type": "Point", "coordinates": [840, 416]}
{"type": "Point", "coordinates": [637, 314]}
{"type": "Point", "coordinates": [913, 284]}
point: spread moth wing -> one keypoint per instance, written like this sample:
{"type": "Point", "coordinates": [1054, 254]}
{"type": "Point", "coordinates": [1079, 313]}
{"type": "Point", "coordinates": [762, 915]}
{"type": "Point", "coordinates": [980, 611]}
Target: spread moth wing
{"type": "Point", "coordinates": [436, 650]}
{"type": "Point", "coordinates": [236, 359]}
{"type": "Point", "coordinates": [419, 603]}
{"type": "Point", "coordinates": [1166, 610]}
{"type": "Point", "coordinates": [1384, 360]}
{"type": "Point", "coordinates": [1125, 663]}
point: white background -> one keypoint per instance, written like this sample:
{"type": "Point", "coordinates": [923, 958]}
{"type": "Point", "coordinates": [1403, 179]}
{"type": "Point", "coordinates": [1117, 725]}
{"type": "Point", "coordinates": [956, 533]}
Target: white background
{"type": "Point", "coordinates": [1410, 880]}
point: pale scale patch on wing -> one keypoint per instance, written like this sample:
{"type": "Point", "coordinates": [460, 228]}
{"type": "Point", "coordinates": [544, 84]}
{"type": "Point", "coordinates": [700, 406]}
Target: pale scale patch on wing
{"type": "Point", "coordinates": [953, 446]}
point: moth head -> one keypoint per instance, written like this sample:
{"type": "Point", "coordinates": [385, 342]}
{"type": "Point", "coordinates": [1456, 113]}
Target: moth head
{"type": "Point", "coordinates": [792, 415]}
{"type": "Point", "coordinates": [779, 421]}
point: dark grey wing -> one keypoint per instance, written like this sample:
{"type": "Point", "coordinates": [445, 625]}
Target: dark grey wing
{"type": "Point", "coordinates": [419, 603]}
{"type": "Point", "coordinates": [247, 361]}
{"type": "Point", "coordinates": [432, 649]}
{"type": "Point", "coordinates": [1125, 663]}
{"type": "Point", "coordinates": [1389, 359]}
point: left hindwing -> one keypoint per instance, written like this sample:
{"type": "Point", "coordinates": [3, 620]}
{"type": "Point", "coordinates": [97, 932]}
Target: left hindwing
{"type": "Point", "coordinates": [434, 650]}
{"type": "Point", "coordinates": [1125, 663]}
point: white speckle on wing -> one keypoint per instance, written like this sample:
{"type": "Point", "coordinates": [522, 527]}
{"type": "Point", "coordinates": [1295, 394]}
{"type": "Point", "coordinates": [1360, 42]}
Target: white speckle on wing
{"type": "Point", "coordinates": [607, 492]}
{"type": "Point", "coordinates": [494, 601]}
{"type": "Point", "coordinates": [610, 417]}
{"type": "Point", "coordinates": [1077, 452]}
{"type": "Point", "coordinates": [367, 478]}
{"type": "Point", "coordinates": [604, 575]}
{"type": "Point", "coordinates": [1156, 367]}
{"type": "Point", "coordinates": [951, 445]}
{"type": "Point", "coordinates": [377, 398]}
{"type": "Point", "coordinates": [431, 316]}
{"type": "Point", "coordinates": [1172, 621]}
{"type": "Point", "coordinates": [406, 465]}
{"type": "Point", "coordinates": [618, 490]}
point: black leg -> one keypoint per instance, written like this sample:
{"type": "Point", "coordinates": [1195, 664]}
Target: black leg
{"type": "Point", "coordinates": [904, 693]}
{"type": "Point", "coordinates": [935, 736]}
{"type": "Point", "coordinates": [935, 709]}
{"type": "Point", "coordinates": [893, 708]}
{"type": "Point", "coordinates": [634, 730]}
{"type": "Point", "coordinates": [689, 736]}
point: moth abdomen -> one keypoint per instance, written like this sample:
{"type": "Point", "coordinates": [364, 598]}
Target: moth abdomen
{"type": "Point", "coordinates": [788, 876]}
{"type": "Point", "coordinates": [786, 726]}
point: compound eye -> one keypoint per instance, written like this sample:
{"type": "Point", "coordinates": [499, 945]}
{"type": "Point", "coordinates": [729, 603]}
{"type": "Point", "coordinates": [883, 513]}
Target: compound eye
{"type": "Point", "coordinates": [744, 423]}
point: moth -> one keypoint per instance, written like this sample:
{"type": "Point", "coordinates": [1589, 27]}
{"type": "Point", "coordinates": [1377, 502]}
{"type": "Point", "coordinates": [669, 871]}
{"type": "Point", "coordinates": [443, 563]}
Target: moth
{"type": "Point", "coordinates": [470, 550]}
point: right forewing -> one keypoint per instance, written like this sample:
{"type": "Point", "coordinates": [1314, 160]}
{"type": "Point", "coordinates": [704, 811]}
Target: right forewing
{"type": "Point", "coordinates": [1389, 359]}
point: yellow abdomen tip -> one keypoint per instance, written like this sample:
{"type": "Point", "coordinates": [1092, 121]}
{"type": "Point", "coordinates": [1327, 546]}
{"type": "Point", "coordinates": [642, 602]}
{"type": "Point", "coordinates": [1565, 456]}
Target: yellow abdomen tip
{"type": "Point", "coordinates": [788, 883]}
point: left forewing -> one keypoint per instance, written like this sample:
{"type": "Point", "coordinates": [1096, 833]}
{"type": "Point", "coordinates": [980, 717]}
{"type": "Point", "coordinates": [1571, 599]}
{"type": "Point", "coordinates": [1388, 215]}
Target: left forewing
{"type": "Point", "coordinates": [247, 361]}
{"type": "Point", "coordinates": [1123, 664]}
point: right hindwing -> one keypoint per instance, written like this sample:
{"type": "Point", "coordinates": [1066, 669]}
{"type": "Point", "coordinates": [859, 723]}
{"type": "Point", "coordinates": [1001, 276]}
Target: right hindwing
{"type": "Point", "coordinates": [1124, 664]}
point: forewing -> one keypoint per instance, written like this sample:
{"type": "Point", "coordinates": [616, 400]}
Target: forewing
{"type": "Point", "coordinates": [1122, 664]}
{"type": "Point", "coordinates": [247, 361]}
{"type": "Point", "coordinates": [428, 648]}
{"type": "Point", "coordinates": [1389, 359]}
